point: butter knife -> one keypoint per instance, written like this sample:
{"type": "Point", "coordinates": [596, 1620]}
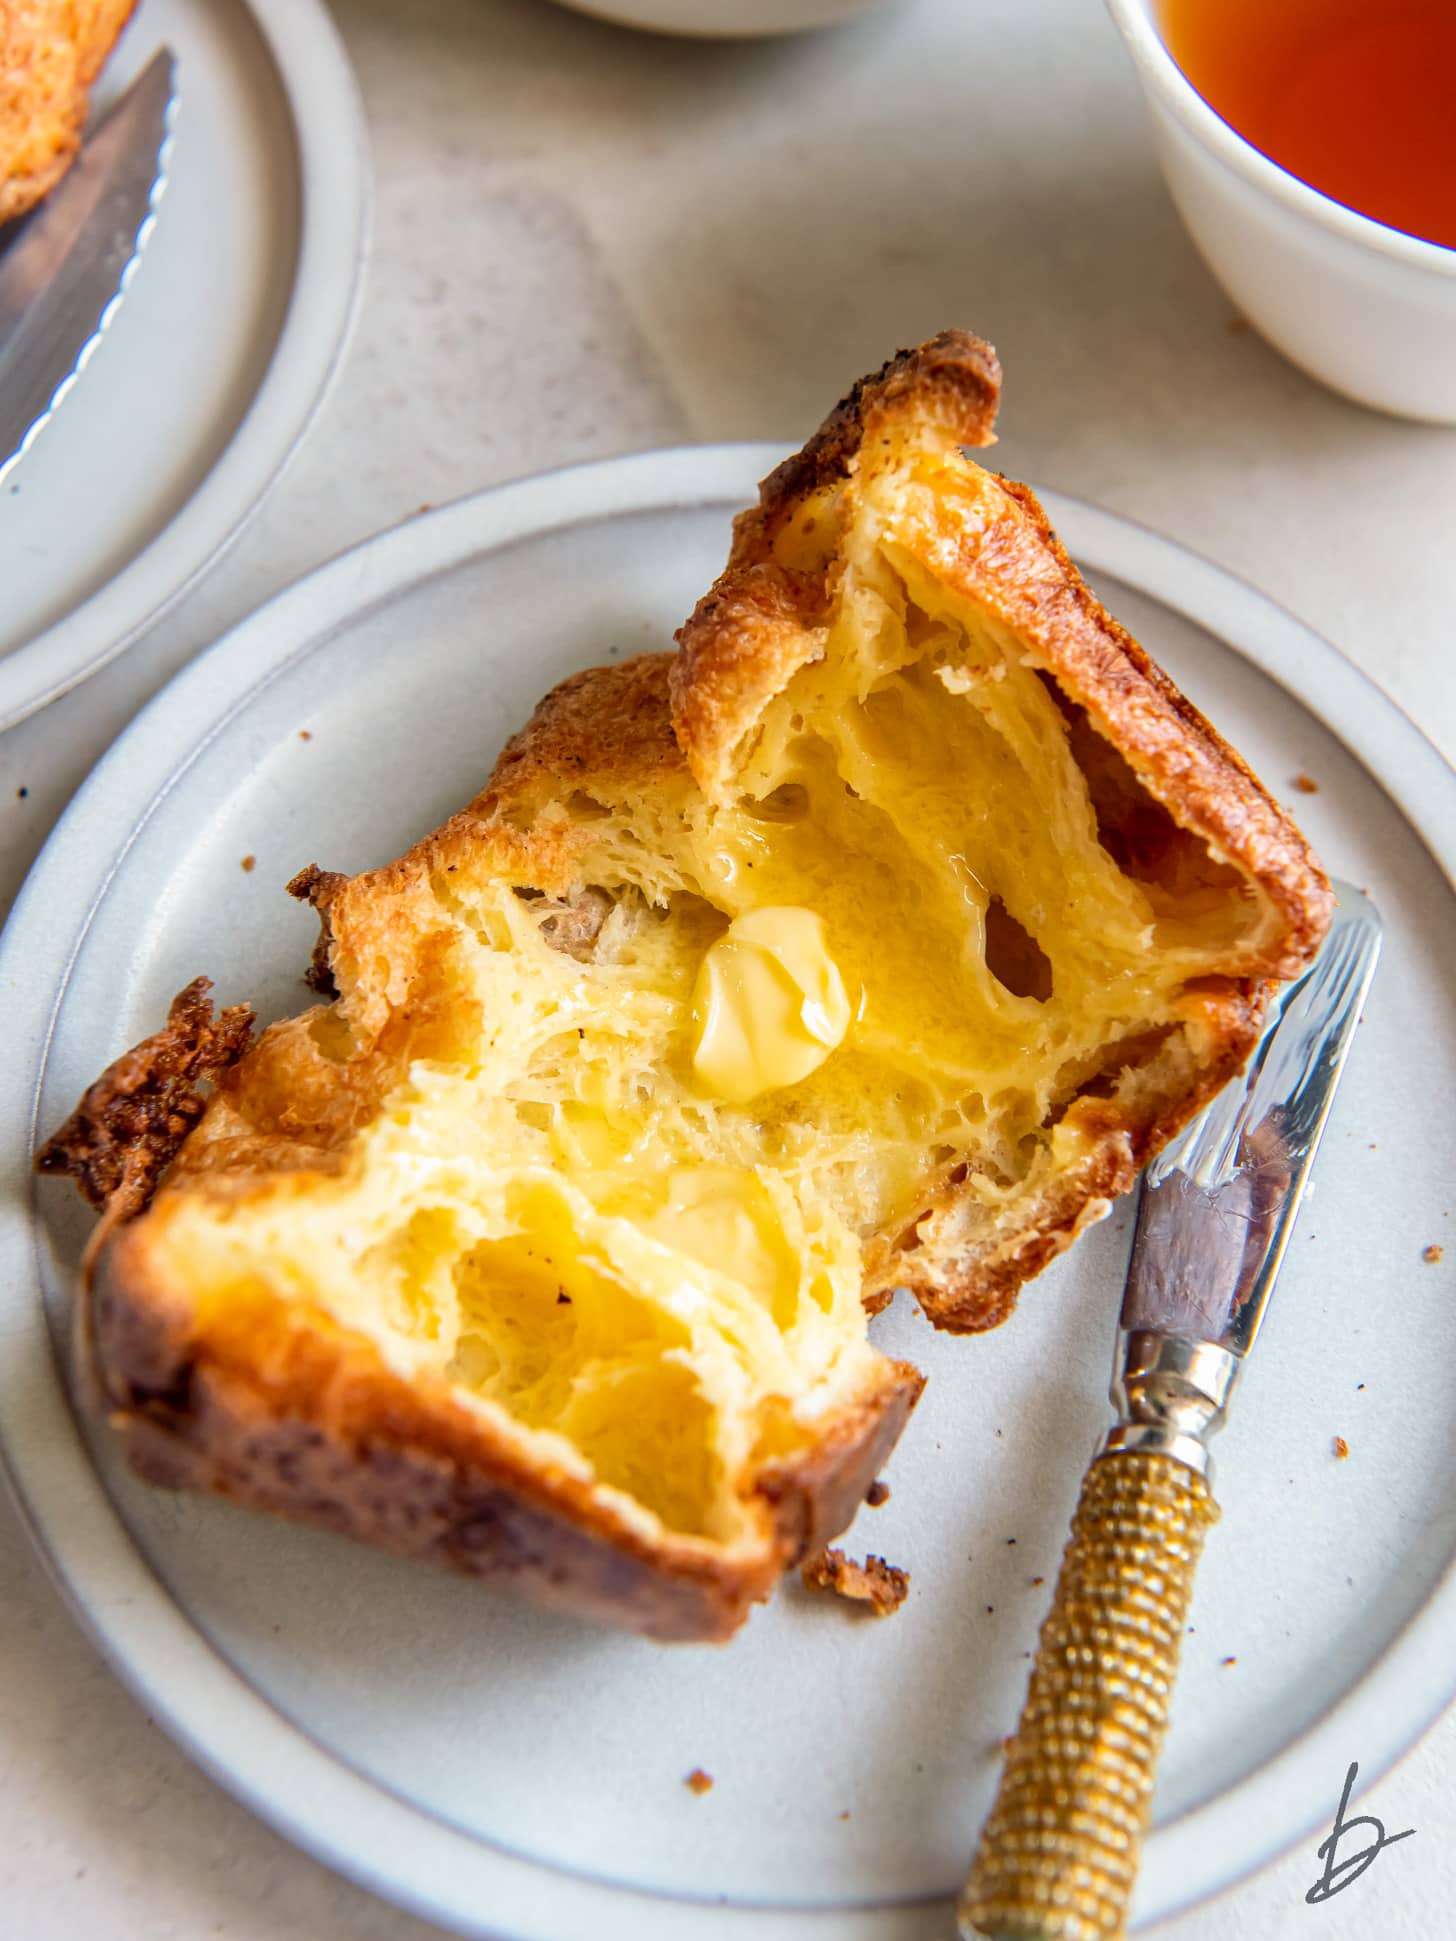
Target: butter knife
{"type": "Point", "coordinates": [65, 269]}
{"type": "Point", "coordinates": [1058, 1856]}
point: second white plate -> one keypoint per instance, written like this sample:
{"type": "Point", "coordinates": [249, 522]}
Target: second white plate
{"type": "Point", "coordinates": [517, 1775]}
{"type": "Point", "coordinates": [212, 368]}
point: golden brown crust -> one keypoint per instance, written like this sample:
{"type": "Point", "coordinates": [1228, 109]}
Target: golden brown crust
{"type": "Point", "coordinates": [760, 624]}
{"type": "Point", "coordinates": [604, 725]}
{"type": "Point", "coordinates": [50, 53]}
{"type": "Point", "coordinates": [282, 1409]}
{"type": "Point", "coordinates": [951, 384]}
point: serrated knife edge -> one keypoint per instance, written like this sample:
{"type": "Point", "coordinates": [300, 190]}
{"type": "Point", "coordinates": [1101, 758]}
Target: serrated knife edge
{"type": "Point", "coordinates": [162, 62]}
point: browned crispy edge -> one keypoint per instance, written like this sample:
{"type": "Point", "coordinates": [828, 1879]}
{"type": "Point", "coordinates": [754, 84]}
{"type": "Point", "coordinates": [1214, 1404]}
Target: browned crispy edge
{"type": "Point", "coordinates": [318, 888]}
{"type": "Point", "coordinates": [45, 92]}
{"type": "Point", "coordinates": [290, 1413]}
{"type": "Point", "coordinates": [131, 1121]}
{"type": "Point", "coordinates": [605, 724]}
{"type": "Point", "coordinates": [952, 381]}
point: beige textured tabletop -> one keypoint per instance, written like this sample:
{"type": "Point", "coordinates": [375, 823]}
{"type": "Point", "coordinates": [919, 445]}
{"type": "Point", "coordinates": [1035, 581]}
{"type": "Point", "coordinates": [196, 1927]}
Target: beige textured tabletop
{"type": "Point", "coordinates": [589, 241]}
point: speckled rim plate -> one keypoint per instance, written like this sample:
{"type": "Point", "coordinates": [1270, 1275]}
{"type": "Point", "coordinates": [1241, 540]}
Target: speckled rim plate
{"type": "Point", "coordinates": [315, 81]}
{"type": "Point", "coordinates": [276, 1769]}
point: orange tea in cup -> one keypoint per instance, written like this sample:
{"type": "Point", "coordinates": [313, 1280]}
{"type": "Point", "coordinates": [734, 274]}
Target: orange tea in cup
{"type": "Point", "coordinates": [1355, 97]}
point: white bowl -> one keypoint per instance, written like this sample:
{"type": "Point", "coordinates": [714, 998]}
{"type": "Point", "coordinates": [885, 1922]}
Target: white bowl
{"type": "Point", "coordinates": [1366, 309]}
{"type": "Point", "coordinates": [724, 19]}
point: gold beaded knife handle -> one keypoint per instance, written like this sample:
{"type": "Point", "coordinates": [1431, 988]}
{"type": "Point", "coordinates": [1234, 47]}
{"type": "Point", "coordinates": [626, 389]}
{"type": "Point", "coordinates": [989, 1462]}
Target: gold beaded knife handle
{"type": "Point", "coordinates": [1058, 1858]}
{"type": "Point", "coordinates": [1059, 1854]}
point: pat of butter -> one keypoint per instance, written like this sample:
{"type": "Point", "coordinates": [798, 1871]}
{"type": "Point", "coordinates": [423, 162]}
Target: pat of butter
{"type": "Point", "coordinates": [770, 1004]}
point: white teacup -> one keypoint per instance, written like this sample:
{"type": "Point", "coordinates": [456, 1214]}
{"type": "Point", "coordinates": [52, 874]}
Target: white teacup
{"type": "Point", "coordinates": [1365, 308]}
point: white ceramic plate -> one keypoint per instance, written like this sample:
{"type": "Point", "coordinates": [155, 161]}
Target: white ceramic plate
{"type": "Point", "coordinates": [511, 1774]}
{"type": "Point", "coordinates": [211, 370]}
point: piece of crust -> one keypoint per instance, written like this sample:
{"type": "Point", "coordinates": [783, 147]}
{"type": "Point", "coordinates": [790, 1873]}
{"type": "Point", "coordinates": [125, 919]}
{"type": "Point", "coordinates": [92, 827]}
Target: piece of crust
{"type": "Point", "coordinates": [132, 1121]}
{"type": "Point", "coordinates": [318, 887]}
{"type": "Point", "coordinates": [878, 1587]}
{"type": "Point", "coordinates": [51, 52]}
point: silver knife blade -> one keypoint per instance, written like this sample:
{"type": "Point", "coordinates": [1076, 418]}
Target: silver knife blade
{"type": "Point", "coordinates": [65, 271]}
{"type": "Point", "coordinates": [1219, 1203]}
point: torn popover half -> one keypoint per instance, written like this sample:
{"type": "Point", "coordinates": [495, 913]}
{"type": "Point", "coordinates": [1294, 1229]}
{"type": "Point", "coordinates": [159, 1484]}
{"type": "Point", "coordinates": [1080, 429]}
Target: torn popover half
{"type": "Point", "coordinates": [876, 938]}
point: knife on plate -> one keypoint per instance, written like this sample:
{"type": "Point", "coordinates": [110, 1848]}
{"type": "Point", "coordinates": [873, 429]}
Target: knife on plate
{"type": "Point", "coordinates": [1059, 1854]}
{"type": "Point", "coordinates": [64, 271]}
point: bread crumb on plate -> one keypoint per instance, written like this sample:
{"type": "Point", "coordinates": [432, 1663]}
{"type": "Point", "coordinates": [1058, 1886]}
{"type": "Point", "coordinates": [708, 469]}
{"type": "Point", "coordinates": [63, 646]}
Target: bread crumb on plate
{"type": "Point", "coordinates": [1432, 1254]}
{"type": "Point", "coordinates": [698, 1781]}
{"type": "Point", "coordinates": [1342, 1448]}
{"type": "Point", "coordinates": [882, 1587]}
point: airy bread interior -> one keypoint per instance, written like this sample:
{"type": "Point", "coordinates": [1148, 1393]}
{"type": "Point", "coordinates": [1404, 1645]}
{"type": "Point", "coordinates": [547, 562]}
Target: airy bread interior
{"type": "Point", "coordinates": [495, 1155]}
